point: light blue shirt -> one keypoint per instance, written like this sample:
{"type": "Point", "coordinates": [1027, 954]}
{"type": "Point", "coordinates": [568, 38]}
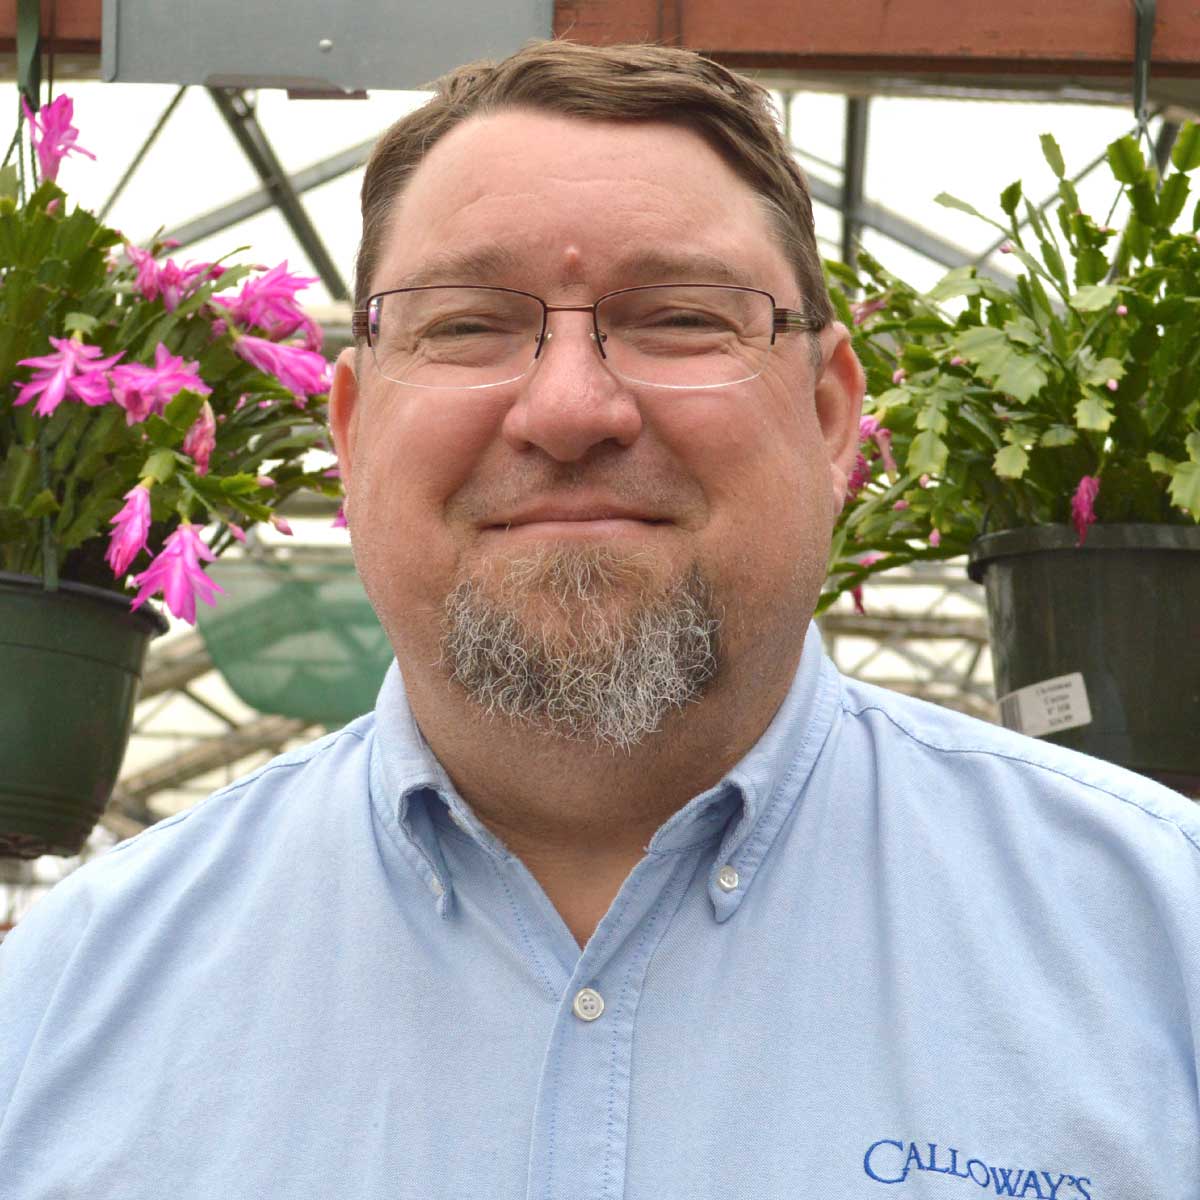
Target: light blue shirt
{"type": "Point", "coordinates": [895, 954]}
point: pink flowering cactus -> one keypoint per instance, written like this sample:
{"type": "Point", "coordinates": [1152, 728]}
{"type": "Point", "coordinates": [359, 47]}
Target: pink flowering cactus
{"type": "Point", "coordinates": [75, 372]}
{"type": "Point", "coordinates": [149, 355]}
{"type": "Point", "coordinates": [1083, 506]}
{"type": "Point", "coordinates": [870, 429]}
{"type": "Point", "coordinates": [856, 593]}
{"type": "Point", "coordinates": [53, 134]}
{"type": "Point", "coordinates": [132, 524]}
{"type": "Point", "coordinates": [201, 439]}
{"type": "Point", "coordinates": [170, 282]}
{"type": "Point", "coordinates": [269, 303]}
{"type": "Point", "coordinates": [177, 575]}
{"type": "Point", "coordinates": [141, 390]}
{"type": "Point", "coordinates": [303, 372]}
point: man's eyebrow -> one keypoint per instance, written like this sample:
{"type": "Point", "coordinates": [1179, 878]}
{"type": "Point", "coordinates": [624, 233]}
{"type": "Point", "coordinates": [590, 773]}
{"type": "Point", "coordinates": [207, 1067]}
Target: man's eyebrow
{"type": "Point", "coordinates": [490, 264]}
{"type": "Point", "coordinates": [682, 267]}
{"type": "Point", "coordinates": [483, 265]}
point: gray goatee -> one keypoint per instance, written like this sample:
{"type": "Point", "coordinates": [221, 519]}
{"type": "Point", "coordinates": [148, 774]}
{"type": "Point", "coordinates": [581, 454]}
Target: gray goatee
{"type": "Point", "coordinates": [553, 643]}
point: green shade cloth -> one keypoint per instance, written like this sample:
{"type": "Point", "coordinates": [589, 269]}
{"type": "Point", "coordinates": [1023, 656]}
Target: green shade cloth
{"type": "Point", "coordinates": [296, 637]}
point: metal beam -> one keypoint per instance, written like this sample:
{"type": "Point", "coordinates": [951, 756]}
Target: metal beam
{"type": "Point", "coordinates": [238, 113]}
{"type": "Point", "coordinates": [907, 233]}
{"type": "Point", "coordinates": [252, 203]}
{"type": "Point", "coordinates": [263, 733]}
{"type": "Point", "coordinates": [178, 662]}
{"type": "Point", "coordinates": [854, 172]}
{"type": "Point", "coordinates": [151, 138]}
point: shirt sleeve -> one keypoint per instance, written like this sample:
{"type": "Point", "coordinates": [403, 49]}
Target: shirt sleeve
{"type": "Point", "coordinates": [34, 958]}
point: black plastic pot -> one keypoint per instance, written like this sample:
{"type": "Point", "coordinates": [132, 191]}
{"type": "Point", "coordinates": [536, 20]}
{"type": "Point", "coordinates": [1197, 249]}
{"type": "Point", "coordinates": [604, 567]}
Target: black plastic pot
{"type": "Point", "coordinates": [70, 664]}
{"type": "Point", "coordinates": [1122, 611]}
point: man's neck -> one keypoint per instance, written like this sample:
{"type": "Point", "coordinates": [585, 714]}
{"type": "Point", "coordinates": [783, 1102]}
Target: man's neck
{"type": "Point", "coordinates": [581, 816]}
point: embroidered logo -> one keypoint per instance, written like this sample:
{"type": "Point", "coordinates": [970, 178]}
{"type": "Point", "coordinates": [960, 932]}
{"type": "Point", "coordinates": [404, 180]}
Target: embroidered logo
{"type": "Point", "coordinates": [890, 1160]}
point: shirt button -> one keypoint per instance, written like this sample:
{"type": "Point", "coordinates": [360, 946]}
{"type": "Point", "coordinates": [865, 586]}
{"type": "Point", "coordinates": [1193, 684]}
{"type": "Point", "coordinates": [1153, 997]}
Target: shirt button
{"type": "Point", "coordinates": [727, 879]}
{"type": "Point", "coordinates": [589, 1004]}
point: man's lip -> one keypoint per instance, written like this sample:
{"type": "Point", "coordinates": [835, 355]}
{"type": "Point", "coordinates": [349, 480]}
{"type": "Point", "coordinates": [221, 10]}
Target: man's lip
{"type": "Point", "coordinates": [561, 514]}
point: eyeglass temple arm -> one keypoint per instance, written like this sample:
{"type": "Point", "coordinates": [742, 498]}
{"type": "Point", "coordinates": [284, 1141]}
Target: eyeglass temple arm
{"type": "Point", "coordinates": [358, 323]}
{"type": "Point", "coordinates": [791, 320]}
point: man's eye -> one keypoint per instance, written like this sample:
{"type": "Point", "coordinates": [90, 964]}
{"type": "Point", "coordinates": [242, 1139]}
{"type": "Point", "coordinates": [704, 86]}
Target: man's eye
{"type": "Point", "coordinates": [458, 327]}
{"type": "Point", "coordinates": [686, 319]}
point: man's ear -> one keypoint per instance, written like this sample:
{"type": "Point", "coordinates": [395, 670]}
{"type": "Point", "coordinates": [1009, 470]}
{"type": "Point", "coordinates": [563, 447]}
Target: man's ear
{"type": "Point", "coordinates": [343, 416]}
{"type": "Point", "coordinates": [838, 396]}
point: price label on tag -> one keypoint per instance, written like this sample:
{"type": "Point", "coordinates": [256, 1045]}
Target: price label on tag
{"type": "Point", "coordinates": [1047, 707]}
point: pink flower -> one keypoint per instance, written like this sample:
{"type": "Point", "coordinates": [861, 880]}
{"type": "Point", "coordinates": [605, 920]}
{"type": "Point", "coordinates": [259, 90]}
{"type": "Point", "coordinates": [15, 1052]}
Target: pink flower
{"type": "Point", "coordinates": [177, 574]}
{"type": "Point", "coordinates": [935, 538]}
{"type": "Point", "coordinates": [53, 134]}
{"type": "Point", "coordinates": [856, 593]}
{"type": "Point", "coordinates": [264, 481]}
{"type": "Point", "coordinates": [957, 360]}
{"type": "Point", "coordinates": [303, 372]}
{"type": "Point", "coordinates": [132, 523]}
{"type": "Point", "coordinates": [862, 309]}
{"type": "Point", "coordinates": [1111, 385]}
{"type": "Point", "coordinates": [237, 531]}
{"type": "Point", "coordinates": [339, 522]}
{"type": "Point", "coordinates": [869, 429]}
{"type": "Point", "coordinates": [859, 477]}
{"type": "Point", "coordinates": [899, 375]}
{"type": "Point", "coordinates": [202, 438]}
{"type": "Point", "coordinates": [1122, 310]}
{"type": "Point", "coordinates": [883, 441]}
{"type": "Point", "coordinates": [900, 505]}
{"type": "Point", "coordinates": [170, 281]}
{"type": "Point", "coordinates": [1005, 247]}
{"type": "Point", "coordinates": [282, 525]}
{"type": "Point", "coordinates": [146, 280]}
{"type": "Point", "coordinates": [141, 390]}
{"type": "Point", "coordinates": [1083, 505]}
{"type": "Point", "coordinates": [75, 371]}
{"type": "Point", "coordinates": [176, 282]}
{"type": "Point", "coordinates": [269, 303]}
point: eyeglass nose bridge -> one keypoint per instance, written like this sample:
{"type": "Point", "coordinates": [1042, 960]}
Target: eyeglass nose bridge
{"type": "Point", "coordinates": [597, 335]}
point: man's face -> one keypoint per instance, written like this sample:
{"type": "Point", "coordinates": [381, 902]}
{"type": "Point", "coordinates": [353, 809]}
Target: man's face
{"type": "Point", "coordinates": [735, 487]}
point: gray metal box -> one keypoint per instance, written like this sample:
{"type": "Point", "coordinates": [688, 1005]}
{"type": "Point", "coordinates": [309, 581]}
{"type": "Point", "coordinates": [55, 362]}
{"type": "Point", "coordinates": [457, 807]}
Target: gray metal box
{"type": "Point", "coordinates": [345, 47]}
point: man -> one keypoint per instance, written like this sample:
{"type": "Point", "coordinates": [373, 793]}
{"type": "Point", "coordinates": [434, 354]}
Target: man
{"type": "Point", "coordinates": [621, 891]}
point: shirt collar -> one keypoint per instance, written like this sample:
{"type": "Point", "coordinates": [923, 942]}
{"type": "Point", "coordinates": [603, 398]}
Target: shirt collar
{"type": "Point", "coordinates": [749, 805]}
{"type": "Point", "coordinates": [759, 793]}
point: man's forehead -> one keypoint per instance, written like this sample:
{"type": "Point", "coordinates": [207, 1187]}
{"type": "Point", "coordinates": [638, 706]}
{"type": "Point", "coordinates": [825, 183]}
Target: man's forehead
{"type": "Point", "coordinates": [494, 262]}
{"type": "Point", "coordinates": [569, 200]}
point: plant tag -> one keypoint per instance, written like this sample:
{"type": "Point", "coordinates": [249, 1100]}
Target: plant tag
{"type": "Point", "coordinates": [1047, 707]}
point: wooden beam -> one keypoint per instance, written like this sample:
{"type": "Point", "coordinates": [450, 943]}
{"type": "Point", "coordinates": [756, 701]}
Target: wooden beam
{"type": "Point", "coordinates": [68, 27]}
{"type": "Point", "coordinates": [911, 36]}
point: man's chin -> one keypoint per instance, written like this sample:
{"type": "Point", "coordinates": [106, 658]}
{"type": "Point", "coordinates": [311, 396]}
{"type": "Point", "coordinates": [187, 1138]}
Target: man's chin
{"type": "Point", "coordinates": [587, 642]}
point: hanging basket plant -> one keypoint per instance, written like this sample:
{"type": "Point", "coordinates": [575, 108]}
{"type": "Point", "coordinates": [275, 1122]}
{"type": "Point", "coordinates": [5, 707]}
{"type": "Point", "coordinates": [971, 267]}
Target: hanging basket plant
{"type": "Point", "coordinates": [151, 410]}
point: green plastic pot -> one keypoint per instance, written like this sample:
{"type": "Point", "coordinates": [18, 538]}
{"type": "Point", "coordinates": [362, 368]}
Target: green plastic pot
{"type": "Point", "coordinates": [1122, 611]}
{"type": "Point", "coordinates": [70, 664]}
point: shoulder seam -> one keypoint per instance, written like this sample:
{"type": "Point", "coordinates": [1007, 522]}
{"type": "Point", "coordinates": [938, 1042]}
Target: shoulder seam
{"type": "Point", "coordinates": [993, 753]}
{"type": "Point", "coordinates": [305, 754]}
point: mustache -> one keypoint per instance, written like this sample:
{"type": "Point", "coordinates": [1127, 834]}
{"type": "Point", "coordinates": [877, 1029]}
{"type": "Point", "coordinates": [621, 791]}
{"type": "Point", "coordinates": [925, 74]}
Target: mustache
{"type": "Point", "coordinates": [549, 481]}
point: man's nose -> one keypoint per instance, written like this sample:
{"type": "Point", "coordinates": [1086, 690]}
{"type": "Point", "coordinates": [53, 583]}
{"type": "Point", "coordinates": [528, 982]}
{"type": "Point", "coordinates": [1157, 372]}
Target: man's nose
{"type": "Point", "coordinates": [570, 401]}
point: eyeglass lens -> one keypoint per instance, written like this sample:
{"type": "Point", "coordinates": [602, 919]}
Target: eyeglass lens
{"type": "Point", "coordinates": [464, 337]}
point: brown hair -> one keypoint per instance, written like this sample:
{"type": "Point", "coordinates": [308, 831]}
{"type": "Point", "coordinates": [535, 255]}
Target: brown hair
{"type": "Point", "coordinates": [633, 83]}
